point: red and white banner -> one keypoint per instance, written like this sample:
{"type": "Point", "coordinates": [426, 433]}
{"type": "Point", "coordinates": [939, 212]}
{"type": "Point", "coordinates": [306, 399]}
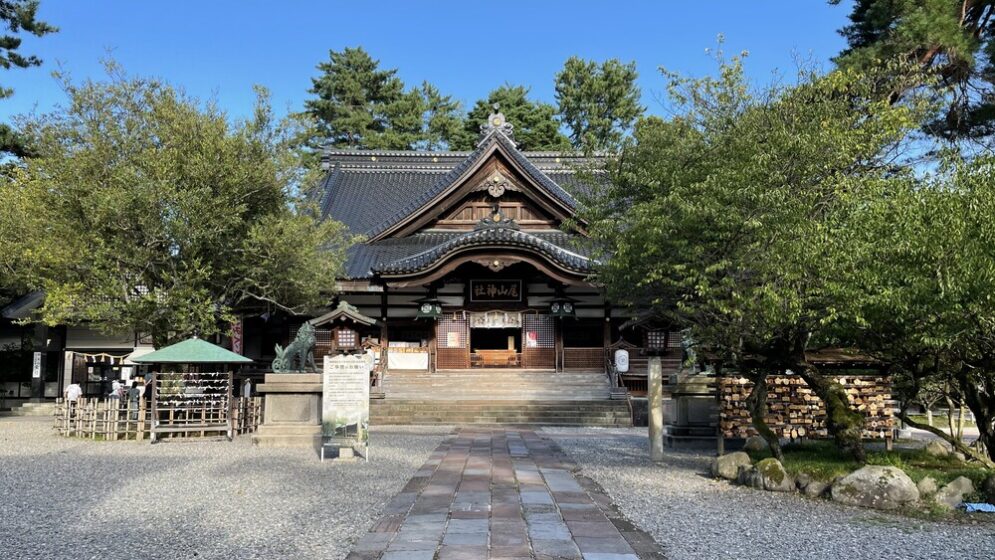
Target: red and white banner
{"type": "Point", "coordinates": [236, 336]}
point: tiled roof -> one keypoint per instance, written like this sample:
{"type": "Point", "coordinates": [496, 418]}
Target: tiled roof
{"type": "Point", "coordinates": [365, 257]}
{"type": "Point", "coordinates": [369, 191]}
{"type": "Point", "coordinates": [486, 237]}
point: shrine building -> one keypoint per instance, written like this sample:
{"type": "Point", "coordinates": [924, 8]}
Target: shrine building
{"type": "Point", "coordinates": [474, 270]}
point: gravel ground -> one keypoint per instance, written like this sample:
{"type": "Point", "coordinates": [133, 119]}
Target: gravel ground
{"type": "Point", "coordinates": [695, 517]}
{"type": "Point", "coordinates": [70, 498]}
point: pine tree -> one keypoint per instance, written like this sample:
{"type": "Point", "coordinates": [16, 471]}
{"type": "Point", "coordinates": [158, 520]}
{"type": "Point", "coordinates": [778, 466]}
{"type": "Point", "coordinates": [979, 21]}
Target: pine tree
{"type": "Point", "coordinates": [598, 103]}
{"type": "Point", "coordinates": [953, 40]}
{"type": "Point", "coordinates": [443, 118]}
{"type": "Point", "coordinates": [358, 105]}
{"type": "Point", "coordinates": [18, 16]}
{"type": "Point", "coordinates": [535, 125]}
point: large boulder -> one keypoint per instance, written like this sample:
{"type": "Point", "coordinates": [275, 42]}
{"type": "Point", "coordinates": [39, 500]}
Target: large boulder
{"type": "Point", "coordinates": [727, 466]}
{"type": "Point", "coordinates": [815, 488]}
{"type": "Point", "coordinates": [750, 477]}
{"type": "Point", "coordinates": [802, 480]}
{"type": "Point", "coordinates": [988, 487]}
{"type": "Point", "coordinates": [773, 476]}
{"type": "Point", "coordinates": [755, 443]}
{"type": "Point", "coordinates": [952, 495]}
{"type": "Point", "coordinates": [876, 487]}
{"type": "Point", "coordinates": [927, 487]}
{"type": "Point", "coordinates": [936, 449]}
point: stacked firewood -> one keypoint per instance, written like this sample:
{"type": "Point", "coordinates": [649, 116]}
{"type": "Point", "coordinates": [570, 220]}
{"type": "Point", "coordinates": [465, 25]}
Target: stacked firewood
{"type": "Point", "coordinates": [795, 412]}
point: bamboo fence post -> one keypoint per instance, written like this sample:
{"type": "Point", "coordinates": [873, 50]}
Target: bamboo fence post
{"type": "Point", "coordinates": [140, 427]}
{"type": "Point", "coordinates": [93, 420]}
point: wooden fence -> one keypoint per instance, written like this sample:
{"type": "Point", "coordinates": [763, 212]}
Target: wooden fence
{"type": "Point", "coordinates": [119, 419]}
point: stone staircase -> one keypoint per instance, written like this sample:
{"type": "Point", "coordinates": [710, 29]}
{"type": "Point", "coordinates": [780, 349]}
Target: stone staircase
{"type": "Point", "coordinates": [499, 396]}
{"type": "Point", "coordinates": [30, 409]}
{"type": "Point", "coordinates": [497, 384]}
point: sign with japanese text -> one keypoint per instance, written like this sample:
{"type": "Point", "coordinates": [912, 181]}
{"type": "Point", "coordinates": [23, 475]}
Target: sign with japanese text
{"type": "Point", "coordinates": [345, 401]}
{"type": "Point", "coordinates": [494, 291]}
{"type": "Point", "coordinates": [236, 336]}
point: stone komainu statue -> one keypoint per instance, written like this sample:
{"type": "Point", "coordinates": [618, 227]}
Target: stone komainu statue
{"type": "Point", "coordinates": [299, 354]}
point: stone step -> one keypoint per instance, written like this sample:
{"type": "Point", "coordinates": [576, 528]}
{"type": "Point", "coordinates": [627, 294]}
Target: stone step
{"type": "Point", "coordinates": [30, 409]}
{"type": "Point", "coordinates": [587, 412]}
{"type": "Point", "coordinates": [496, 407]}
{"type": "Point", "coordinates": [504, 386]}
{"type": "Point", "coordinates": [576, 422]}
{"type": "Point", "coordinates": [495, 413]}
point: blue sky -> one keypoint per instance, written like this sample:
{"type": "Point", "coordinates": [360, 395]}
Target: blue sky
{"type": "Point", "coordinates": [219, 49]}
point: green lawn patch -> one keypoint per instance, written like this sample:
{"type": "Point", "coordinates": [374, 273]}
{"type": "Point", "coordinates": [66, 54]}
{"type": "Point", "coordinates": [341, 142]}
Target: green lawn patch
{"type": "Point", "coordinates": [940, 421]}
{"type": "Point", "coordinates": [823, 461]}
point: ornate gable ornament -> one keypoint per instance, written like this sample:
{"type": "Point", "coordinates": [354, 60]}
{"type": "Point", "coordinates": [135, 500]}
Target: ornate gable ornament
{"type": "Point", "coordinates": [496, 122]}
{"type": "Point", "coordinates": [496, 220]}
{"type": "Point", "coordinates": [496, 185]}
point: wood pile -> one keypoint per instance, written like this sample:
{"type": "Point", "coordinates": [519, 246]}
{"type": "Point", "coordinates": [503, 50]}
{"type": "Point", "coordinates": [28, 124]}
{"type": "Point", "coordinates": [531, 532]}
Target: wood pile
{"type": "Point", "coordinates": [795, 412]}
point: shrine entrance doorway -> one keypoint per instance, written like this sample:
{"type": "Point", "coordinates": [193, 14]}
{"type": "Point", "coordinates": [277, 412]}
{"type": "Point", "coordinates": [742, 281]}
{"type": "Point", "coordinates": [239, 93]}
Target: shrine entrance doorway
{"type": "Point", "coordinates": [496, 339]}
{"type": "Point", "coordinates": [496, 347]}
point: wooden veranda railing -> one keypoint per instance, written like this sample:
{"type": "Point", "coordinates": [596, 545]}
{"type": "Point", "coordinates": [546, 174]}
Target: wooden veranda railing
{"type": "Point", "coordinates": [121, 419]}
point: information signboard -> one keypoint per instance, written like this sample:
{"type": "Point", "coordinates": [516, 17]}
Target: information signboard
{"type": "Point", "coordinates": [36, 366]}
{"type": "Point", "coordinates": [345, 403]}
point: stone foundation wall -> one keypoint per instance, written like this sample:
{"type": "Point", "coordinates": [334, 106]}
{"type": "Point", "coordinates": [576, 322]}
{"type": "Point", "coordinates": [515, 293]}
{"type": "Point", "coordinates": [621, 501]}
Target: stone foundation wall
{"type": "Point", "coordinates": [793, 410]}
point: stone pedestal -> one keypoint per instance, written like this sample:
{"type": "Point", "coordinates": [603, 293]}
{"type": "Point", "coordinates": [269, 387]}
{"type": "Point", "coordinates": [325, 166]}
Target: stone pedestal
{"type": "Point", "coordinates": [655, 401]}
{"type": "Point", "coordinates": [291, 411]}
{"type": "Point", "coordinates": [691, 412]}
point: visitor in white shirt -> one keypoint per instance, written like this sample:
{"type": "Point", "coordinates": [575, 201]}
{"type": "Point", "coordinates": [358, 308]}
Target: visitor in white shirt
{"type": "Point", "coordinates": [73, 392]}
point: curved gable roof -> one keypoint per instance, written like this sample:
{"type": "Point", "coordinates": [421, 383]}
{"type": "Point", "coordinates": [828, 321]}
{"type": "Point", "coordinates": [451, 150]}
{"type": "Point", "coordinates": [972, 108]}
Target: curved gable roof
{"type": "Point", "coordinates": [486, 237]}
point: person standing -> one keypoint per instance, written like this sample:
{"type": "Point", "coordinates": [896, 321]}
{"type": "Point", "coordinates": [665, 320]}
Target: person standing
{"type": "Point", "coordinates": [134, 397]}
{"type": "Point", "coordinates": [73, 394]}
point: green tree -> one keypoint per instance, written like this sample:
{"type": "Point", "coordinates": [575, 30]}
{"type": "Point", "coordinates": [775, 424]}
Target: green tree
{"type": "Point", "coordinates": [928, 279]}
{"type": "Point", "coordinates": [18, 16]}
{"type": "Point", "coordinates": [598, 103]}
{"type": "Point", "coordinates": [535, 123]}
{"type": "Point", "coordinates": [145, 209]}
{"type": "Point", "coordinates": [443, 119]}
{"type": "Point", "coordinates": [358, 105]}
{"type": "Point", "coordinates": [953, 39]}
{"type": "Point", "coordinates": [732, 218]}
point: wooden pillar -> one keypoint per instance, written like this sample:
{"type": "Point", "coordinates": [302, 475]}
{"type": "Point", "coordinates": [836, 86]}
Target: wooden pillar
{"type": "Point", "coordinates": [39, 362]}
{"type": "Point", "coordinates": [558, 336]}
{"type": "Point", "coordinates": [608, 328]}
{"type": "Point", "coordinates": [383, 317]}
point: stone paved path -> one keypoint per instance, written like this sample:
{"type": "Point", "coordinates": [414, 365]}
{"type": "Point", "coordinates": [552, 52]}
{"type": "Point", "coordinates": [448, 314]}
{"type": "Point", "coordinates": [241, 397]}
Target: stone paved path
{"type": "Point", "coordinates": [502, 493]}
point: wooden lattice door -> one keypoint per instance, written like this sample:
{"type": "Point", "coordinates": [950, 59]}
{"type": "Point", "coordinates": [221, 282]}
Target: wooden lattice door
{"type": "Point", "coordinates": [538, 341]}
{"type": "Point", "coordinates": [453, 342]}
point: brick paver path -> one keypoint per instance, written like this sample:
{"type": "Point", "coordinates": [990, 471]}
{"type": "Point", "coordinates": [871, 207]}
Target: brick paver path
{"type": "Point", "coordinates": [502, 494]}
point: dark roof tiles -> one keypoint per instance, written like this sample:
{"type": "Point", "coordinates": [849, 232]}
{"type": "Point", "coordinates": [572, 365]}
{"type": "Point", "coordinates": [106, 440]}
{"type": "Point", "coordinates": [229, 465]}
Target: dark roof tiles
{"type": "Point", "coordinates": [486, 237]}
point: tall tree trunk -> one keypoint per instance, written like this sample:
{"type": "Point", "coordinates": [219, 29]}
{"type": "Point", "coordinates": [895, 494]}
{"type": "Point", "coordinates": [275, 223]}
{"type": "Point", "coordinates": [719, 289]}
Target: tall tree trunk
{"type": "Point", "coordinates": [977, 395]}
{"type": "Point", "coordinates": [843, 422]}
{"type": "Point", "coordinates": [756, 403]}
{"type": "Point", "coordinates": [950, 409]}
{"type": "Point", "coordinates": [960, 421]}
{"type": "Point", "coordinates": [954, 442]}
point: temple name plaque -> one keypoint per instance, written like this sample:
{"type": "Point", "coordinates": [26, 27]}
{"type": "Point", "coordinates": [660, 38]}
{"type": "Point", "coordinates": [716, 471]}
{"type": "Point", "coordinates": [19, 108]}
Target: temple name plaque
{"type": "Point", "coordinates": [495, 291]}
{"type": "Point", "coordinates": [345, 405]}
